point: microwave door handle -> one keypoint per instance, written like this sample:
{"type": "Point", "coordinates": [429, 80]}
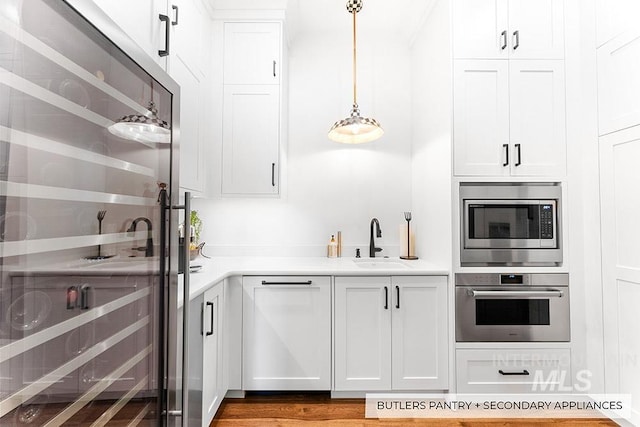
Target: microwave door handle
{"type": "Point", "coordinates": [510, 294]}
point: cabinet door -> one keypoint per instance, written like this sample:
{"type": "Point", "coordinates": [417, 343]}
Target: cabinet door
{"type": "Point", "coordinates": [481, 117]}
{"type": "Point", "coordinates": [190, 39]}
{"type": "Point", "coordinates": [252, 53]}
{"type": "Point", "coordinates": [480, 29]}
{"type": "Point", "coordinates": [536, 29]}
{"type": "Point", "coordinates": [618, 83]}
{"type": "Point", "coordinates": [139, 19]}
{"type": "Point", "coordinates": [212, 369]}
{"type": "Point", "coordinates": [538, 135]}
{"type": "Point", "coordinates": [419, 333]}
{"type": "Point", "coordinates": [614, 17]}
{"type": "Point", "coordinates": [250, 139]}
{"type": "Point", "coordinates": [362, 334]}
{"type": "Point", "coordinates": [287, 333]}
{"type": "Point", "coordinates": [192, 119]}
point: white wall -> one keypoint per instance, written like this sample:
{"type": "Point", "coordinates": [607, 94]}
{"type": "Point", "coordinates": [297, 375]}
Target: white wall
{"type": "Point", "coordinates": [326, 186]}
{"type": "Point", "coordinates": [431, 124]}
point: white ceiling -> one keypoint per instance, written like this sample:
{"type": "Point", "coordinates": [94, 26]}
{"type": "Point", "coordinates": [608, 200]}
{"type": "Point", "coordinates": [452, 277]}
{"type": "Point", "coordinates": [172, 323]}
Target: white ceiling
{"type": "Point", "coordinates": [389, 17]}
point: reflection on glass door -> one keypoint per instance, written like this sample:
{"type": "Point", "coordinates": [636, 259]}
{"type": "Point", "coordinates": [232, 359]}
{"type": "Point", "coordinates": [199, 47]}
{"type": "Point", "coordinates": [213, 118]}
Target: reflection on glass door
{"type": "Point", "coordinates": [83, 268]}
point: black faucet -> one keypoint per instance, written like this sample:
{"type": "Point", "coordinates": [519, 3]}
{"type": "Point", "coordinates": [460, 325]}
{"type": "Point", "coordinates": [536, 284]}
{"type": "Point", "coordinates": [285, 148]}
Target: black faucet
{"type": "Point", "coordinates": [372, 245]}
{"type": "Point", "coordinates": [148, 250]}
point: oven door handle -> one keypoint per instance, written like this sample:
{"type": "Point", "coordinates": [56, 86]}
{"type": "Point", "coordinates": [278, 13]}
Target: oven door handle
{"type": "Point", "coordinates": [510, 294]}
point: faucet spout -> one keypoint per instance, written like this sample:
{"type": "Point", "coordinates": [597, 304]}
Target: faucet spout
{"type": "Point", "coordinates": [148, 249]}
{"type": "Point", "coordinates": [372, 245]}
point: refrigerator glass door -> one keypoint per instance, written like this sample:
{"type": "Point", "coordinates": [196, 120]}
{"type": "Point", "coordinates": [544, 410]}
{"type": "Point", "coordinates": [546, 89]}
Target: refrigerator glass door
{"type": "Point", "coordinates": [85, 276]}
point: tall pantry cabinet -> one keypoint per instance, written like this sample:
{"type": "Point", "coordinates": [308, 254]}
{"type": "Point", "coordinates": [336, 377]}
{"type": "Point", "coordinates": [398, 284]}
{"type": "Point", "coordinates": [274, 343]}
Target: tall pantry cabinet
{"type": "Point", "coordinates": [252, 107]}
{"type": "Point", "coordinates": [509, 90]}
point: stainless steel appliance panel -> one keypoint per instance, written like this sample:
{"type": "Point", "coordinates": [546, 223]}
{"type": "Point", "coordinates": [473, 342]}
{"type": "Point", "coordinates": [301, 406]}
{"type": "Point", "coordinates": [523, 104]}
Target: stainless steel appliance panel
{"type": "Point", "coordinates": [493, 307]}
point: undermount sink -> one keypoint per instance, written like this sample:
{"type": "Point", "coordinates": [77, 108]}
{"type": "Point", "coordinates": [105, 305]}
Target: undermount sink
{"type": "Point", "coordinates": [380, 263]}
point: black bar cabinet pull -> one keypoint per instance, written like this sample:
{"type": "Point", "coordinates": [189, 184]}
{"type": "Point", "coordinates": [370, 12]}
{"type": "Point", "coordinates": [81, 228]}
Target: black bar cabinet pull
{"type": "Point", "coordinates": [273, 174]}
{"type": "Point", "coordinates": [516, 34]}
{"type": "Point", "coordinates": [84, 297]}
{"type": "Point", "coordinates": [307, 282]}
{"type": "Point", "coordinates": [165, 19]}
{"type": "Point", "coordinates": [386, 298]}
{"type": "Point", "coordinates": [174, 7]}
{"type": "Point", "coordinates": [397, 296]}
{"type": "Point", "coordinates": [274, 68]}
{"type": "Point", "coordinates": [519, 149]}
{"type": "Point", "coordinates": [523, 372]}
{"type": "Point", "coordinates": [506, 154]}
{"type": "Point", "coordinates": [504, 40]}
{"type": "Point", "coordinates": [210, 332]}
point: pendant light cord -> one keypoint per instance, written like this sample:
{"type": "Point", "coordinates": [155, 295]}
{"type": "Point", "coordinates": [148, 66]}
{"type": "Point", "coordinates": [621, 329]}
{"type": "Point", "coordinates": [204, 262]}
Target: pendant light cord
{"type": "Point", "coordinates": [354, 57]}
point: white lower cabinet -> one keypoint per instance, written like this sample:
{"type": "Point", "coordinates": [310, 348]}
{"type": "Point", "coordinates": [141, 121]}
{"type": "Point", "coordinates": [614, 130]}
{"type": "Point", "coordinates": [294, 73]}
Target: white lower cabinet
{"type": "Point", "coordinates": [213, 389]}
{"type": "Point", "coordinates": [286, 333]}
{"type": "Point", "coordinates": [513, 370]}
{"type": "Point", "coordinates": [390, 333]}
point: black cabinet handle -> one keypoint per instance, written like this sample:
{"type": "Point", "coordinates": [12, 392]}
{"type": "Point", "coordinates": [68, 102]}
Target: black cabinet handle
{"type": "Point", "coordinates": [516, 34]}
{"type": "Point", "coordinates": [72, 297]}
{"type": "Point", "coordinates": [504, 40]}
{"type": "Point", "coordinates": [273, 174]}
{"type": "Point", "coordinates": [506, 154]}
{"type": "Point", "coordinates": [307, 282]}
{"type": "Point", "coordinates": [210, 332]}
{"type": "Point", "coordinates": [165, 19]}
{"type": "Point", "coordinates": [84, 297]}
{"type": "Point", "coordinates": [523, 372]}
{"type": "Point", "coordinates": [174, 7]}
{"type": "Point", "coordinates": [397, 296]}
{"type": "Point", "coordinates": [519, 149]}
{"type": "Point", "coordinates": [274, 68]}
{"type": "Point", "coordinates": [386, 298]}
{"type": "Point", "coordinates": [202, 319]}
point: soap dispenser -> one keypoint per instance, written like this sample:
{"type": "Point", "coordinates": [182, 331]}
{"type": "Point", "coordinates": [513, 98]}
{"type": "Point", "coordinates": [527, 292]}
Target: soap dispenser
{"type": "Point", "coordinates": [332, 249]}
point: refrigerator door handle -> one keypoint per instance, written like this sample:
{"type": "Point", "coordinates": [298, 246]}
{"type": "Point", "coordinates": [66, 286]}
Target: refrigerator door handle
{"type": "Point", "coordinates": [185, 308]}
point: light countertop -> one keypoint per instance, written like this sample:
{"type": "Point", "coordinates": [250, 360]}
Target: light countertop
{"type": "Point", "coordinates": [217, 269]}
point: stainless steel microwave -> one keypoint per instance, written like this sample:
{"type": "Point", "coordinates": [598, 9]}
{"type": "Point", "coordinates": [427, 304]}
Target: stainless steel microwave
{"type": "Point", "coordinates": [510, 224]}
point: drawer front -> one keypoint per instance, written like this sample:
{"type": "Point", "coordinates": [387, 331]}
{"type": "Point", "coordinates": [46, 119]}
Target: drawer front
{"type": "Point", "coordinates": [513, 371]}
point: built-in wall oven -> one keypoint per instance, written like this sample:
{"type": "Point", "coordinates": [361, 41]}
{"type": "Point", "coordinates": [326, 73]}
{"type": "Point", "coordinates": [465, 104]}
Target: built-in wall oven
{"type": "Point", "coordinates": [500, 307]}
{"type": "Point", "coordinates": [513, 224]}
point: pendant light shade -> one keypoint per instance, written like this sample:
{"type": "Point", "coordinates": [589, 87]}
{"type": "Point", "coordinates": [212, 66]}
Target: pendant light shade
{"type": "Point", "coordinates": [355, 129]}
{"type": "Point", "coordinates": [143, 127]}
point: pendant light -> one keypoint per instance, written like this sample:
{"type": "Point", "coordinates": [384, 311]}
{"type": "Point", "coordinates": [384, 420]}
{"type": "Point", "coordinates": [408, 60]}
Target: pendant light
{"type": "Point", "coordinates": [146, 127]}
{"type": "Point", "coordinates": [355, 129]}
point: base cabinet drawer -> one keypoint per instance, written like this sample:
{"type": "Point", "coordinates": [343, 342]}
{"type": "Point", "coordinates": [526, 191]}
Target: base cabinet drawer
{"type": "Point", "coordinates": [513, 371]}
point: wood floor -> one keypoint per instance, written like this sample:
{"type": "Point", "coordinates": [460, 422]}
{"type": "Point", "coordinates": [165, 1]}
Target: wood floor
{"type": "Point", "coordinates": [320, 409]}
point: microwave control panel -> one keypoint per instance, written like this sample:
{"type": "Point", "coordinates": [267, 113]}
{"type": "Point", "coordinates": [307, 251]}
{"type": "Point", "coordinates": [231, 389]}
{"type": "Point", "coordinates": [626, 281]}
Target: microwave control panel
{"type": "Point", "coordinates": [546, 221]}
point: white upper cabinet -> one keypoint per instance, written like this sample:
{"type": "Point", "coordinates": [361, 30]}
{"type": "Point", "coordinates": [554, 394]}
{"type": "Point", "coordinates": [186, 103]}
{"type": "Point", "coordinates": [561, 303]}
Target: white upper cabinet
{"type": "Point", "coordinates": [501, 29]}
{"type": "Point", "coordinates": [509, 118]}
{"type": "Point", "coordinates": [140, 20]}
{"type": "Point", "coordinates": [618, 83]}
{"type": "Point", "coordinates": [537, 124]}
{"type": "Point", "coordinates": [614, 17]}
{"type": "Point", "coordinates": [177, 35]}
{"type": "Point", "coordinates": [252, 119]}
{"type": "Point", "coordinates": [252, 52]}
{"type": "Point", "coordinates": [481, 117]}
{"type": "Point", "coordinates": [250, 139]}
